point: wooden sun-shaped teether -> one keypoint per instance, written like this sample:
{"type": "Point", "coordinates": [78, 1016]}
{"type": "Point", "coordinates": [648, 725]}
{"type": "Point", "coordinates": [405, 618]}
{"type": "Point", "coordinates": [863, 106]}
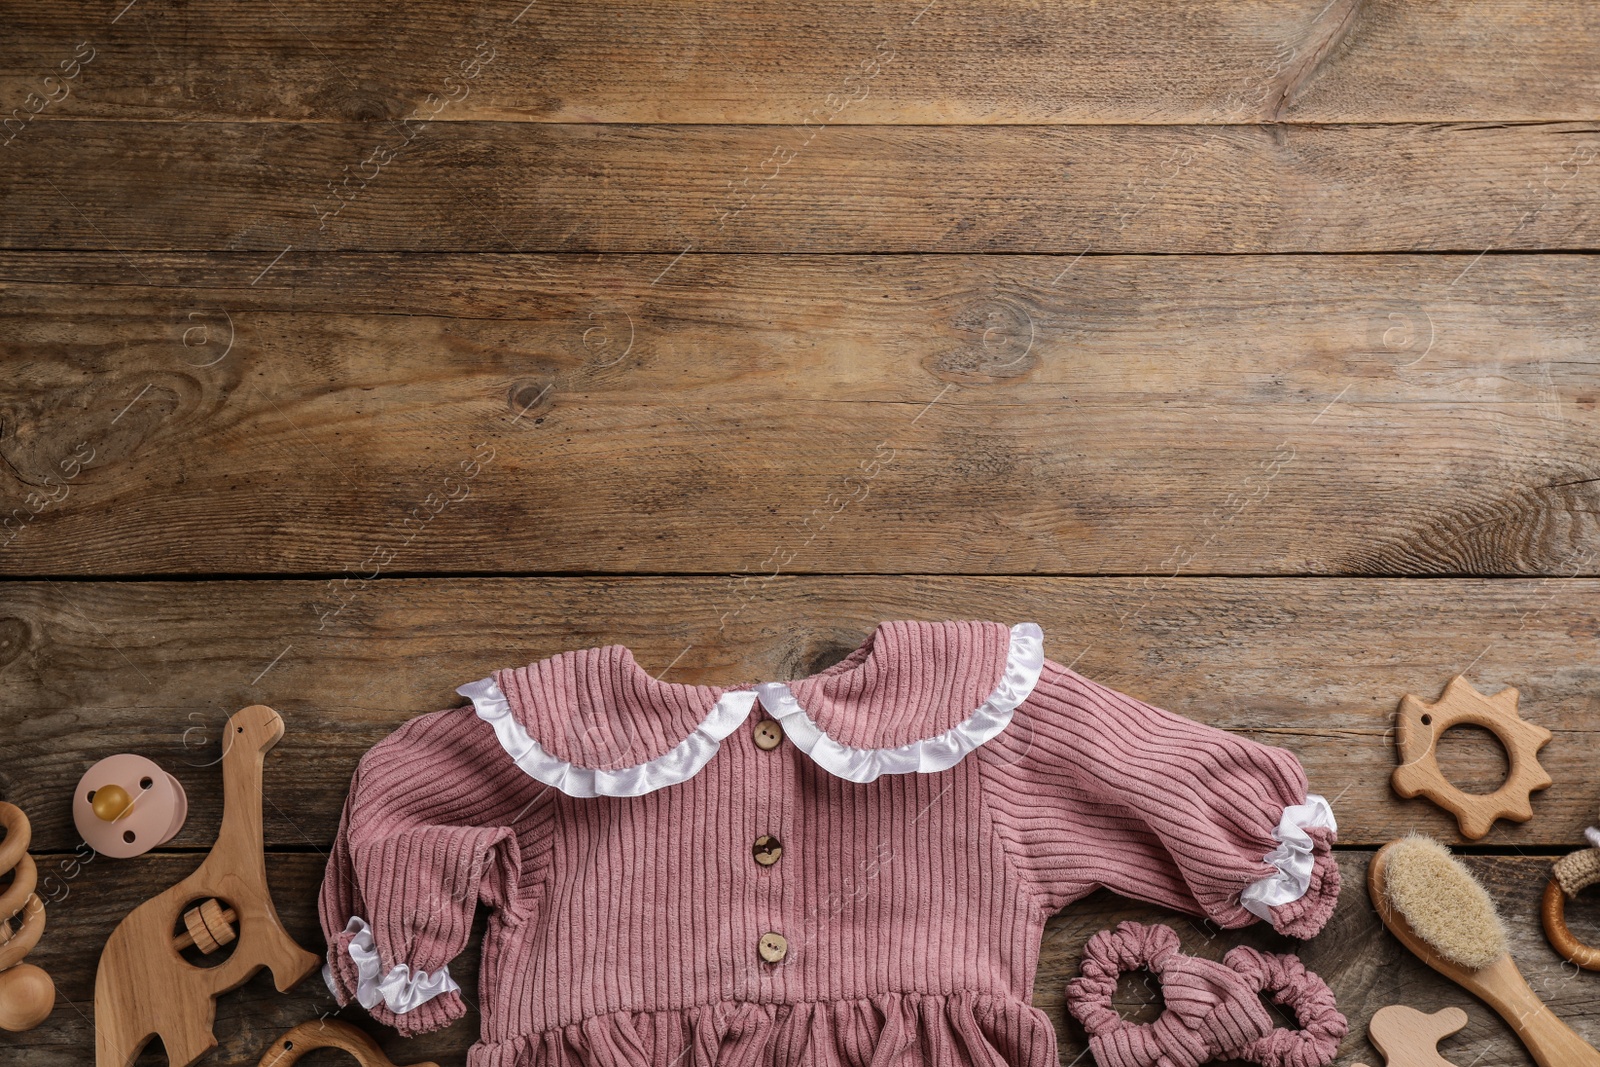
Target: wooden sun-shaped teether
{"type": "Point", "coordinates": [1410, 1038]}
{"type": "Point", "coordinates": [1417, 734]}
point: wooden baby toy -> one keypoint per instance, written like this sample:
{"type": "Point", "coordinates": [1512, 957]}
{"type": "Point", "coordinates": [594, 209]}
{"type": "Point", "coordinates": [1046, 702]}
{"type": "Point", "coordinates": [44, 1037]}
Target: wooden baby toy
{"type": "Point", "coordinates": [1571, 875]}
{"type": "Point", "coordinates": [328, 1033]}
{"type": "Point", "coordinates": [1417, 733]}
{"type": "Point", "coordinates": [1409, 1038]}
{"type": "Point", "coordinates": [27, 994]}
{"type": "Point", "coordinates": [144, 988]}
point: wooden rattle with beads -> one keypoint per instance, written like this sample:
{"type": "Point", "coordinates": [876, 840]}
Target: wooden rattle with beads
{"type": "Point", "coordinates": [207, 927]}
{"type": "Point", "coordinates": [27, 995]}
{"type": "Point", "coordinates": [1571, 875]}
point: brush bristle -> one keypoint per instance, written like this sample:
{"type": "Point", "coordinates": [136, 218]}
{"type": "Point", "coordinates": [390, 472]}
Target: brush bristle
{"type": "Point", "coordinates": [1442, 902]}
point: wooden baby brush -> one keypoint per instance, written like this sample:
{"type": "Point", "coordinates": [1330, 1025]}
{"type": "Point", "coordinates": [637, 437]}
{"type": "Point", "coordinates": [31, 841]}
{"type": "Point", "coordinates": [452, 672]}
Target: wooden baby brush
{"type": "Point", "coordinates": [1436, 908]}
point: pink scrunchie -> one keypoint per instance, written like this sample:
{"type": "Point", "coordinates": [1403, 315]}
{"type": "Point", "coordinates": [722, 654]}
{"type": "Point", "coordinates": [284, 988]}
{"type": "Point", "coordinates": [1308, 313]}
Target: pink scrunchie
{"type": "Point", "coordinates": [1213, 1010]}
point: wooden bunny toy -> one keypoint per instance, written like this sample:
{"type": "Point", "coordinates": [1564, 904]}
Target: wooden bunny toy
{"type": "Point", "coordinates": [144, 988]}
{"type": "Point", "coordinates": [1410, 1038]}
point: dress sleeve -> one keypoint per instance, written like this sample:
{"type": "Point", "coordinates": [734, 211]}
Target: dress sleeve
{"type": "Point", "coordinates": [428, 833]}
{"type": "Point", "coordinates": [1090, 788]}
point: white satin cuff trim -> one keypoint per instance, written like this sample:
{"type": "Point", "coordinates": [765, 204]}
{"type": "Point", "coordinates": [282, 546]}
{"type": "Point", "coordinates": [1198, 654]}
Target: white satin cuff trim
{"type": "Point", "coordinates": [679, 764]}
{"type": "Point", "coordinates": [1024, 662]}
{"type": "Point", "coordinates": [1293, 857]}
{"type": "Point", "coordinates": [400, 990]}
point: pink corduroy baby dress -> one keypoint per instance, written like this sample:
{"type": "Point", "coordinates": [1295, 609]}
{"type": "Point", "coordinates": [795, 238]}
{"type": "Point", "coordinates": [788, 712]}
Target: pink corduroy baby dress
{"type": "Point", "coordinates": [847, 869]}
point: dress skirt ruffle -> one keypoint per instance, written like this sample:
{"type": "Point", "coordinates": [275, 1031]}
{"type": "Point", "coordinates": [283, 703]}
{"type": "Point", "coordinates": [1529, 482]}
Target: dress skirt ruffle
{"type": "Point", "coordinates": [899, 1029]}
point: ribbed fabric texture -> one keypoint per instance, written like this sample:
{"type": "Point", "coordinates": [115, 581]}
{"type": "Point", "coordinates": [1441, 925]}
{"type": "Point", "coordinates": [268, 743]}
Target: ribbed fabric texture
{"type": "Point", "coordinates": [1213, 1010]}
{"type": "Point", "coordinates": [625, 930]}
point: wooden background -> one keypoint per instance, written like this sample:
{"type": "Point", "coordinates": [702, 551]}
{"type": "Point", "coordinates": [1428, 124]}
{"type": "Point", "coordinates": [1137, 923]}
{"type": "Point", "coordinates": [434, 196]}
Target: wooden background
{"type": "Point", "coordinates": [352, 351]}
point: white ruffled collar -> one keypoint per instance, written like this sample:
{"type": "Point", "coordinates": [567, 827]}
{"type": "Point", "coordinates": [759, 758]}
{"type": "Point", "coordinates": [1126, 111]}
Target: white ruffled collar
{"type": "Point", "coordinates": [593, 723]}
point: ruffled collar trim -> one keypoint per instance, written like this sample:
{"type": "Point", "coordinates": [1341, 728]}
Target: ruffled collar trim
{"type": "Point", "coordinates": [915, 697]}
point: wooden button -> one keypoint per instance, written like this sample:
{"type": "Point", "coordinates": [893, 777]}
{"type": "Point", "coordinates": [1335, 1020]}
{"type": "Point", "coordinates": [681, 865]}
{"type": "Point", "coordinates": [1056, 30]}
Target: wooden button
{"type": "Point", "coordinates": [766, 850]}
{"type": "Point", "coordinates": [773, 947]}
{"type": "Point", "coordinates": [769, 735]}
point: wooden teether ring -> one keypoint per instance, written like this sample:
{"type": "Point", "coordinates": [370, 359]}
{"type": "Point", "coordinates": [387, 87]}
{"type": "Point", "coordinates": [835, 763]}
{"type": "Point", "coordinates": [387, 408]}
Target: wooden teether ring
{"type": "Point", "coordinates": [1574, 873]}
{"type": "Point", "coordinates": [327, 1033]}
{"type": "Point", "coordinates": [1418, 729]}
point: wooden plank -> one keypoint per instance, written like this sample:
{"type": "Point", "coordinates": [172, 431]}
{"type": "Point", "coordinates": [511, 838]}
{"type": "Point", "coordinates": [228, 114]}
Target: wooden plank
{"type": "Point", "coordinates": [1315, 665]}
{"type": "Point", "coordinates": [1364, 966]}
{"type": "Point", "coordinates": [1324, 415]}
{"type": "Point", "coordinates": [498, 186]}
{"type": "Point", "coordinates": [836, 61]}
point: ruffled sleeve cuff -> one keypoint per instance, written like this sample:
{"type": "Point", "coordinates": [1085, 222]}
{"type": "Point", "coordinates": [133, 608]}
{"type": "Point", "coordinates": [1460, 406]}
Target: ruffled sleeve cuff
{"type": "Point", "coordinates": [412, 1002]}
{"type": "Point", "coordinates": [436, 1014]}
{"type": "Point", "coordinates": [1300, 895]}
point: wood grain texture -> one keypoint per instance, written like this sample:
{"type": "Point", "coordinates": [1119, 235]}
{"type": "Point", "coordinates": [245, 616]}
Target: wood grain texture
{"type": "Point", "coordinates": [763, 61]}
{"type": "Point", "coordinates": [1366, 968]}
{"type": "Point", "coordinates": [883, 311]}
{"type": "Point", "coordinates": [1320, 415]}
{"type": "Point", "coordinates": [498, 186]}
{"type": "Point", "coordinates": [1317, 666]}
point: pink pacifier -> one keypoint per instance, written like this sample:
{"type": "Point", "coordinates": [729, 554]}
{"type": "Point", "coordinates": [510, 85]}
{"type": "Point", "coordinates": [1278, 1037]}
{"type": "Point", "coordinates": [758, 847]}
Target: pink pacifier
{"type": "Point", "coordinates": [125, 806]}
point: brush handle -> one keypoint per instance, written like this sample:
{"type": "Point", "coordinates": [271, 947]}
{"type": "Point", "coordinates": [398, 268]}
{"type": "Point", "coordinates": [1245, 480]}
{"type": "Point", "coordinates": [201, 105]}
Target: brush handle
{"type": "Point", "coordinates": [1552, 1042]}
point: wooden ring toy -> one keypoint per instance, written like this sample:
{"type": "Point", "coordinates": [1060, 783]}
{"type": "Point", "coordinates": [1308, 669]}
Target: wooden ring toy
{"type": "Point", "coordinates": [27, 995]}
{"type": "Point", "coordinates": [126, 805]}
{"type": "Point", "coordinates": [1418, 728]}
{"type": "Point", "coordinates": [328, 1033]}
{"type": "Point", "coordinates": [1572, 874]}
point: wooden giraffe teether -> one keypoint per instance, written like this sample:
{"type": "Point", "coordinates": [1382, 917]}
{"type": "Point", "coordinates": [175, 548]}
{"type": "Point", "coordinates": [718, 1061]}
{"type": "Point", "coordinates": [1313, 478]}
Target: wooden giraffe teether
{"type": "Point", "coordinates": [1417, 732]}
{"type": "Point", "coordinates": [328, 1033]}
{"type": "Point", "coordinates": [1410, 1038]}
{"type": "Point", "coordinates": [27, 994]}
{"type": "Point", "coordinates": [144, 988]}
